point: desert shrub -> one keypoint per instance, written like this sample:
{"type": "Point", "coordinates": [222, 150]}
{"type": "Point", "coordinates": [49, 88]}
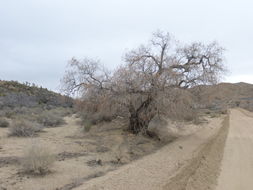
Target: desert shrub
{"type": "Point", "coordinates": [61, 111]}
{"type": "Point", "coordinates": [9, 114]}
{"type": "Point", "coordinates": [214, 114]}
{"type": "Point", "coordinates": [3, 123]}
{"type": "Point", "coordinates": [96, 117]}
{"type": "Point", "coordinates": [207, 112]}
{"type": "Point", "coordinates": [88, 120]}
{"type": "Point", "coordinates": [37, 160]}
{"type": "Point", "coordinates": [190, 115]}
{"type": "Point", "coordinates": [36, 110]}
{"type": "Point", "coordinates": [29, 116]}
{"type": "Point", "coordinates": [87, 125]}
{"type": "Point", "coordinates": [179, 106]}
{"type": "Point", "coordinates": [50, 119]}
{"type": "Point", "coordinates": [237, 103]}
{"type": "Point", "coordinates": [100, 117]}
{"type": "Point", "coordinates": [20, 110]}
{"type": "Point", "coordinates": [223, 111]}
{"type": "Point", "coordinates": [24, 128]}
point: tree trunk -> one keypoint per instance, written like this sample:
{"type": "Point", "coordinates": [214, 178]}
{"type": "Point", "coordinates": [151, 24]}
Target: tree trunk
{"type": "Point", "coordinates": [135, 123]}
{"type": "Point", "coordinates": [140, 118]}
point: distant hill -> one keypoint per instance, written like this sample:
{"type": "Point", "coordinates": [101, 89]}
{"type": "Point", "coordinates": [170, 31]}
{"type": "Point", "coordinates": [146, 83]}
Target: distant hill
{"type": "Point", "coordinates": [214, 97]}
{"type": "Point", "coordinates": [225, 95]}
{"type": "Point", "coordinates": [15, 94]}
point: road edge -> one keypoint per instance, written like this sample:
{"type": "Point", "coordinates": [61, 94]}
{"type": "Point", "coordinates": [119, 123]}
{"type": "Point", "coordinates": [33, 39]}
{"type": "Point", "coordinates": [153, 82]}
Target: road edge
{"type": "Point", "coordinates": [203, 170]}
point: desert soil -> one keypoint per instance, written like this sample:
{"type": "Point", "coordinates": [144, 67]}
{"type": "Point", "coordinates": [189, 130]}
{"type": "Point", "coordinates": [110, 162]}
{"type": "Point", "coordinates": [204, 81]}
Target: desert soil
{"type": "Point", "coordinates": [218, 157]}
{"type": "Point", "coordinates": [237, 164]}
{"type": "Point", "coordinates": [213, 156]}
{"type": "Point", "coordinates": [80, 156]}
{"type": "Point", "coordinates": [154, 171]}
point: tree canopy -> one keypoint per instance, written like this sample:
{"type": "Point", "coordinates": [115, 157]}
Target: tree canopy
{"type": "Point", "coordinates": [140, 88]}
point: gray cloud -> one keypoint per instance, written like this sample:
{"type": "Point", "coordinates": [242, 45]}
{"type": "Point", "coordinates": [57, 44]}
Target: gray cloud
{"type": "Point", "coordinates": [37, 38]}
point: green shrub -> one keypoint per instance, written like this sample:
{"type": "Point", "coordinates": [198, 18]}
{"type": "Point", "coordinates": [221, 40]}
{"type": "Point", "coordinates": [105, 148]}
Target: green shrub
{"type": "Point", "coordinates": [37, 160]}
{"type": "Point", "coordinates": [3, 123]}
{"type": "Point", "coordinates": [24, 128]}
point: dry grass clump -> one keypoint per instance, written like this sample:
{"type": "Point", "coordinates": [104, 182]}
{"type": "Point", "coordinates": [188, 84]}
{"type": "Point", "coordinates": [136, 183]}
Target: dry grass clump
{"type": "Point", "coordinates": [3, 123]}
{"type": "Point", "coordinates": [24, 128]}
{"type": "Point", "coordinates": [87, 125]}
{"type": "Point", "coordinates": [90, 119]}
{"type": "Point", "coordinates": [37, 160]}
{"type": "Point", "coordinates": [101, 117]}
{"type": "Point", "coordinates": [180, 106]}
{"type": "Point", "coordinates": [62, 111]}
{"type": "Point", "coordinates": [50, 119]}
{"type": "Point", "coordinates": [96, 117]}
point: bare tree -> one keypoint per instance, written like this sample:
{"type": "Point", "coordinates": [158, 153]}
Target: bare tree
{"type": "Point", "coordinates": [150, 74]}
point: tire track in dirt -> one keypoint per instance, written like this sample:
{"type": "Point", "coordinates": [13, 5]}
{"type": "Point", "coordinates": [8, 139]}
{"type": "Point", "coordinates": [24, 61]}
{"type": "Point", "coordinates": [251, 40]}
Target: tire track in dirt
{"type": "Point", "coordinates": [237, 168]}
{"type": "Point", "coordinates": [154, 172]}
{"type": "Point", "coordinates": [202, 171]}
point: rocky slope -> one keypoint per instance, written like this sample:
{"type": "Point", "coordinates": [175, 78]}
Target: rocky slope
{"type": "Point", "coordinates": [14, 94]}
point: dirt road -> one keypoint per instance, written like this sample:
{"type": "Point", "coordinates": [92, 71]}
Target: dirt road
{"type": "Point", "coordinates": [237, 164]}
{"type": "Point", "coordinates": [216, 158]}
{"type": "Point", "coordinates": [154, 171]}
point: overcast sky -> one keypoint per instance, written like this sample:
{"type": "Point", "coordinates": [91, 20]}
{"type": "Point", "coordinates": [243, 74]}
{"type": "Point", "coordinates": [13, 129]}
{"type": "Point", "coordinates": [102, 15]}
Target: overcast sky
{"type": "Point", "coordinates": [38, 37]}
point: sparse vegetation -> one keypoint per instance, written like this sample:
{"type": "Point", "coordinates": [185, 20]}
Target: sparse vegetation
{"type": "Point", "coordinates": [37, 160]}
{"type": "Point", "coordinates": [3, 123]}
{"type": "Point", "coordinates": [14, 94]}
{"type": "Point", "coordinates": [50, 119]}
{"type": "Point", "coordinates": [96, 118]}
{"type": "Point", "coordinates": [24, 128]}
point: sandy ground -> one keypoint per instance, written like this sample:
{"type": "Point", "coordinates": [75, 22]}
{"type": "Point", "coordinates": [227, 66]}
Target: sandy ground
{"type": "Point", "coordinates": [213, 156]}
{"type": "Point", "coordinates": [154, 171]}
{"type": "Point", "coordinates": [76, 152]}
{"type": "Point", "coordinates": [218, 157]}
{"type": "Point", "coordinates": [237, 165]}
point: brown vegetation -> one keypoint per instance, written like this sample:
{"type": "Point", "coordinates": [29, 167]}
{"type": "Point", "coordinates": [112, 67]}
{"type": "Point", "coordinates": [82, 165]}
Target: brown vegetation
{"type": "Point", "coordinates": [153, 78]}
{"type": "Point", "coordinates": [3, 123]}
{"type": "Point", "coordinates": [24, 128]}
{"type": "Point", "coordinates": [50, 118]}
{"type": "Point", "coordinates": [220, 97]}
{"type": "Point", "coordinates": [37, 160]}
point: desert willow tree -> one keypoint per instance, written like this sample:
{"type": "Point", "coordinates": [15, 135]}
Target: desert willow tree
{"type": "Point", "coordinates": [138, 89]}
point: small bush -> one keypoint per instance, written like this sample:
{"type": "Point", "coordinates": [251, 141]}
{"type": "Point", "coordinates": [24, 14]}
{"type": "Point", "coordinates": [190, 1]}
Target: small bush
{"type": "Point", "coordinates": [213, 115]}
{"type": "Point", "coordinates": [50, 119]}
{"type": "Point", "coordinates": [224, 111]}
{"type": "Point", "coordinates": [207, 112]}
{"type": "Point", "coordinates": [62, 111]}
{"type": "Point", "coordinates": [97, 118]}
{"type": "Point", "coordinates": [9, 114]}
{"type": "Point", "coordinates": [180, 106]}
{"type": "Point", "coordinates": [37, 160]}
{"type": "Point", "coordinates": [23, 128]}
{"type": "Point", "coordinates": [237, 103]}
{"type": "Point", "coordinates": [87, 125]}
{"type": "Point", "coordinates": [3, 123]}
